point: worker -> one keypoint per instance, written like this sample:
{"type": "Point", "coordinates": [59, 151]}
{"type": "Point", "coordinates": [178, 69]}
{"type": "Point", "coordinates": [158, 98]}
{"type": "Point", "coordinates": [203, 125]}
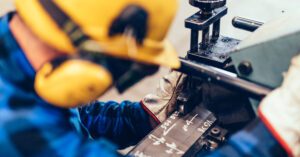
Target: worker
{"type": "Point", "coordinates": [58, 57]}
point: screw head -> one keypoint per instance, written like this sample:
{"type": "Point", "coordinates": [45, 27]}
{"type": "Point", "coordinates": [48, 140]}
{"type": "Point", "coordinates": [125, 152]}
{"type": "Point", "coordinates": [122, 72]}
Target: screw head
{"type": "Point", "coordinates": [245, 68]}
{"type": "Point", "coordinates": [215, 131]}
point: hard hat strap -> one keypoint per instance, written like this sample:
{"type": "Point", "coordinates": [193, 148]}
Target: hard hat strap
{"type": "Point", "coordinates": [76, 35]}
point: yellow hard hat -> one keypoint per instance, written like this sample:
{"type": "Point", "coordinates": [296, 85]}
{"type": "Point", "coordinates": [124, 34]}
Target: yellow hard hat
{"type": "Point", "coordinates": [97, 18]}
{"type": "Point", "coordinates": [115, 31]}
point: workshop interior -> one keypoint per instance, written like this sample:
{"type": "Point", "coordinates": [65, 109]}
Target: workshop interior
{"type": "Point", "coordinates": [234, 57]}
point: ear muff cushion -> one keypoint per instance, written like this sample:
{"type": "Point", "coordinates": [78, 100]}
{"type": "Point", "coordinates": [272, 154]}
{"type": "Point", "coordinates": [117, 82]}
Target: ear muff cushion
{"type": "Point", "coordinates": [73, 83]}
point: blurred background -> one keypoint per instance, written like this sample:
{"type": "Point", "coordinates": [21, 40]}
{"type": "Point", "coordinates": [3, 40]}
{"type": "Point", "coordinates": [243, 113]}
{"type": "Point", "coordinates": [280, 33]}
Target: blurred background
{"type": "Point", "coordinates": [260, 10]}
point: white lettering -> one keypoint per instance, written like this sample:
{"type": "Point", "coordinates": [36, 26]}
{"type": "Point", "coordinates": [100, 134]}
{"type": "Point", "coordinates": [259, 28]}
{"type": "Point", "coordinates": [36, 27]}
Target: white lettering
{"type": "Point", "coordinates": [207, 124]}
{"type": "Point", "coordinates": [157, 141]}
{"type": "Point", "coordinates": [173, 147]}
{"type": "Point", "coordinates": [166, 132]}
{"type": "Point", "coordinates": [140, 154]}
{"type": "Point", "coordinates": [188, 123]}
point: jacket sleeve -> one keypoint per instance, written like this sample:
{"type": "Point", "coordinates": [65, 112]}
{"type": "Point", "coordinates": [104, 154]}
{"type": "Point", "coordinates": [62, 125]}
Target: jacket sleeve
{"type": "Point", "coordinates": [255, 140]}
{"type": "Point", "coordinates": [125, 124]}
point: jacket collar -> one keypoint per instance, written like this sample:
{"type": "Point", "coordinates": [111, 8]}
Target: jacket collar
{"type": "Point", "coordinates": [14, 65]}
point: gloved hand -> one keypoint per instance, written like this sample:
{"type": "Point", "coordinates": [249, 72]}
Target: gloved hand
{"type": "Point", "coordinates": [176, 88]}
{"type": "Point", "coordinates": [162, 103]}
{"type": "Point", "coordinates": [280, 111]}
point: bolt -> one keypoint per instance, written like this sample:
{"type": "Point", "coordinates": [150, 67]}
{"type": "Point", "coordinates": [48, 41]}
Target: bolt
{"type": "Point", "coordinates": [215, 131]}
{"type": "Point", "coordinates": [222, 57]}
{"type": "Point", "coordinates": [245, 68]}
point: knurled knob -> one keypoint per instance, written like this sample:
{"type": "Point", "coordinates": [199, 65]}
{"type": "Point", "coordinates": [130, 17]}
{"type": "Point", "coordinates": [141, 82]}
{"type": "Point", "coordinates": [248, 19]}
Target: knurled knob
{"type": "Point", "coordinates": [207, 5]}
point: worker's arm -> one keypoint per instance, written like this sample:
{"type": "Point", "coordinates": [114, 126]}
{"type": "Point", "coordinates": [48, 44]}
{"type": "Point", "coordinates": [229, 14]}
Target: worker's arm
{"type": "Point", "coordinates": [46, 131]}
{"type": "Point", "coordinates": [125, 123]}
{"type": "Point", "coordinates": [22, 138]}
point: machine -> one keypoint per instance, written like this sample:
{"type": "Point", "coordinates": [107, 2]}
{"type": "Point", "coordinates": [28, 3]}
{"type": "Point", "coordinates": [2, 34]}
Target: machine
{"type": "Point", "coordinates": [226, 78]}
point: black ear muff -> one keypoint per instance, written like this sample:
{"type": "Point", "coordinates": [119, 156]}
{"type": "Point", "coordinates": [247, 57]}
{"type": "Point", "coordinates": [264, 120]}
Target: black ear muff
{"type": "Point", "coordinates": [132, 17]}
{"type": "Point", "coordinates": [136, 73]}
{"type": "Point", "coordinates": [59, 61]}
